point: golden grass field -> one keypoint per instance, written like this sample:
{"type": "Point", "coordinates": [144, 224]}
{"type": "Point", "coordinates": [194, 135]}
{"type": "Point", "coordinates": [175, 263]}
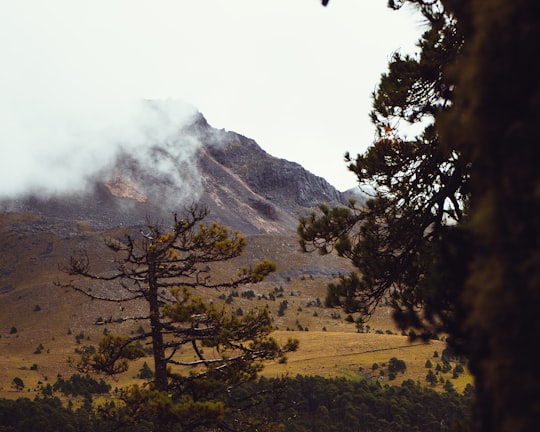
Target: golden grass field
{"type": "Point", "coordinates": [329, 354]}
{"type": "Point", "coordinates": [51, 316]}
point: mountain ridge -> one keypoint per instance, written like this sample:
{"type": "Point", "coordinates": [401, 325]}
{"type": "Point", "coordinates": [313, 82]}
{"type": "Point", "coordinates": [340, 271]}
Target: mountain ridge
{"type": "Point", "coordinates": [242, 185]}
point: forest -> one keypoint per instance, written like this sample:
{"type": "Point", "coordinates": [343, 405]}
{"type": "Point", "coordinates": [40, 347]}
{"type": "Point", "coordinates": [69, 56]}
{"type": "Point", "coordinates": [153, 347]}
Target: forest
{"type": "Point", "coordinates": [300, 404]}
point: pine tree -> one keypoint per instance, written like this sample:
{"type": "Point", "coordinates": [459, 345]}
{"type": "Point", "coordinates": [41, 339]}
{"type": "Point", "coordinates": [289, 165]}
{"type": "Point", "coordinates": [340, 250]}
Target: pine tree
{"type": "Point", "coordinates": [451, 234]}
{"type": "Point", "coordinates": [411, 231]}
{"type": "Point", "coordinates": [161, 268]}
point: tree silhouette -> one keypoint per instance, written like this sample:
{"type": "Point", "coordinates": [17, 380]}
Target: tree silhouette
{"type": "Point", "coordinates": [451, 234]}
{"type": "Point", "coordinates": [17, 383]}
{"type": "Point", "coordinates": [406, 237]}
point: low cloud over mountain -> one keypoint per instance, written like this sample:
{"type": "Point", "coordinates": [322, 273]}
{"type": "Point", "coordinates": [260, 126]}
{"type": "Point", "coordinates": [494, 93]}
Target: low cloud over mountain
{"type": "Point", "coordinates": [244, 187]}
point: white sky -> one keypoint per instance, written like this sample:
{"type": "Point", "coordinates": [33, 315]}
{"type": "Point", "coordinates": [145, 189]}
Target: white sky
{"type": "Point", "coordinates": [291, 74]}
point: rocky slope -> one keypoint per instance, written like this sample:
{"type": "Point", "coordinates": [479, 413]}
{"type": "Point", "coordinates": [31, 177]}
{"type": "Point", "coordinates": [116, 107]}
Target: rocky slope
{"type": "Point", "coordinates": [244, 187]}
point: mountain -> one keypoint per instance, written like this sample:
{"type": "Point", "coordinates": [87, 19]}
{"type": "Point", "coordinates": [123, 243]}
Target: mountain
{"type": "Point", "coordinates": [243, 186]}
{"type": "Point", "coordinates": [254, 191]}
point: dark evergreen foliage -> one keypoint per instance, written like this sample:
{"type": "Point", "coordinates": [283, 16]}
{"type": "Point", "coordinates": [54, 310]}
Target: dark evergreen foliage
{"type": "Point", "coordinates": [45, 415]}
{"type": "Point", "coordinates": [451, 234]}
{"type": "Point", "coordinates": [300, 404]}
{"type": "Point", "coordinates": [79, 385]}
{"type": "Point", "coordinates": [407, 236]}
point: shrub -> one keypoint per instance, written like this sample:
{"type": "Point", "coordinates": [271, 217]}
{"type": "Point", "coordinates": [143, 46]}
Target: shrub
{"type": "Point", "coordinates": [145, 372]}
{"type": "Point", "coordinates": [250, 294]}
{"type": "Point", "coordinates": [431, 378]}
{"type": "Point", "coordinates": [17, 384]}
{"type": "Point", "coordinates": [448, 387]}
{"type": "Point", "coordinates": [395, 365]}
{"type": "Point", "coordinates": [81, 385]}
{"type": "Point", "coordinates": [283, 307]}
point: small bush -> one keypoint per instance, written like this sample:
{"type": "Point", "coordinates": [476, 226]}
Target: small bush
{"type": "Point", "coordinates": [145, 372]}
{"type": "Point", "coordinates": [395, 365]}
{"type": "Point", "coordinates": [283, 307]}
{"type": "Point", "coordinates": [17, 383]}
{"type": "Point", "coordinates": [250, 294]}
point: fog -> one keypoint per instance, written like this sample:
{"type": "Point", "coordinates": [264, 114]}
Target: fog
{"type": "Point", "coordinates": [58, 148]}
{"type": "Point", "coordinates": [294, 76]}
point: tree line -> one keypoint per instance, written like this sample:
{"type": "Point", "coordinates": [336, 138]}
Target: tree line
{"type": "Point", "coordinates": [299, 404]}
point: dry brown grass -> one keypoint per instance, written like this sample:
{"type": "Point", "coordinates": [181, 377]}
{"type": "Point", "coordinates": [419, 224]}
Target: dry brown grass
{"type": "Point", "coordinates": [352, 355]}
{"type": "Point", "coordinates": [31, 263]}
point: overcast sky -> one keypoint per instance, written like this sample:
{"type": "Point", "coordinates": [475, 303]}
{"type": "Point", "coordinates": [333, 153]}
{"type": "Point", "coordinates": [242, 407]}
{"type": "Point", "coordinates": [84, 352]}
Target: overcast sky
{"type": "Point", "coordinates": [293, 75]}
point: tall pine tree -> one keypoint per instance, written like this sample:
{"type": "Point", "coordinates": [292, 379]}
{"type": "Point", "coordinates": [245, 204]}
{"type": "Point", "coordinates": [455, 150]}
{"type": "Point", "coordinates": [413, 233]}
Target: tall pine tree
{"type": "Point", "coordinates": [403, 239]}
{"type": "Point", "coordinates": [160, 269]}
{"type": "Point", "coordinates": [451, 235]}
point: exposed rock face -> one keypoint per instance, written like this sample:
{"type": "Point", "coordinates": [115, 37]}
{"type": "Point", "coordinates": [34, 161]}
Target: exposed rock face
{"type": "Point", "coordinates": [243, 186]}
{"type": "Point", "coordinates": [122, 187]}
{"type": "Point", "coordinates": [285, 183]}
{"type": "Point", "coordinates": [255, 188]}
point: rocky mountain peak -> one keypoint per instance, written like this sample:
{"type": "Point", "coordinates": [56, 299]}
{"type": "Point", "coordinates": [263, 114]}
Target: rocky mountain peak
{"type": "Point", "coordinates": [239, 174]}
{"type": "Point", "coordinates": [243, 186]}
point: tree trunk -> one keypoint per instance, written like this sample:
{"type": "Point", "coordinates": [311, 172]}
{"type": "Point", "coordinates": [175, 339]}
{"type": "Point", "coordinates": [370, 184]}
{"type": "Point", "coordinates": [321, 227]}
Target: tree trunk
{"type": "Point", "coordinates": [160, 364]}
{"type": "Point", "coordinates": [496, 112]}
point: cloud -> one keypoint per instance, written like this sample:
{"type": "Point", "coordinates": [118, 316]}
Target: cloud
{"type": "Point", "coordinates": [295, 76]}
{"type": "Point", "coordinates": [68, 107]}
{"type": "Point", "coordinates": [57, 148]}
